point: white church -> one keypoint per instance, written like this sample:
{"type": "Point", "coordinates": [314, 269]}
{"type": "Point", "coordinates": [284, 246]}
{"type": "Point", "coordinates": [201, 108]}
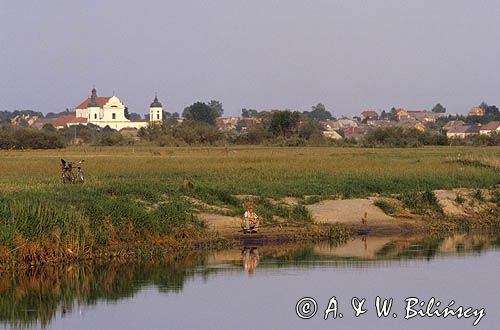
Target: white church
{"type": "Point", "coordinates": [110, 111]}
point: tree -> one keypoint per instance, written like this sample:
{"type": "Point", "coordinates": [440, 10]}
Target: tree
{"type": "Point", "coordinates": [134, 116]}
{"type": "Point", "coordinates": [284, 123]}
{"type": "Point", "coordinates": [217, 107]}
{"type": "Point", "coordinates": [196, 133]}
{"type": "Point", "coordinates": [489, 109]}
{"type": "Point", "coordinates": [171, 118]}
{"type": "Point", "coordinates": [23, 123]}
{"type": "Point", "coordinates": [318, 112]}
{"type": "Point", "coordinates": [85, 134]}
{"type": "Point", "coordinates": [438, 108]}
{"type": "Point", "coordinates": [127, 115]}
{"type": "Point", "coordinates": [384, 115]}
{"type": "Point", "coordinates": [49, 127]}
{"type": "Point", "coordinates": [109, 138]}
{"type": "Point", "coordinates": [310, 128]}
{"type": "Point", "coordinates": [392, 113]}
{"type": "Point", "coordinates": [492, 110]}
{"type": "Point", "coordinates": [200, 112]}
{"type": "Point", "coordinates": [249, 113]}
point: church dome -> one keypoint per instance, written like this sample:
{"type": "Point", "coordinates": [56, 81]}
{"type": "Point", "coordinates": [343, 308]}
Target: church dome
{"type": "Point", "coordinates": [93, 99]}
{"type": "Point", "coordinates": [156, 103]}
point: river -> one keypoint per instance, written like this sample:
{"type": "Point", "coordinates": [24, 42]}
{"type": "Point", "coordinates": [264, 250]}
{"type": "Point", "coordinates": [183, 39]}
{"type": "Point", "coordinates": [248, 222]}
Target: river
{"type": "Point", "coordinates": [258, 287]}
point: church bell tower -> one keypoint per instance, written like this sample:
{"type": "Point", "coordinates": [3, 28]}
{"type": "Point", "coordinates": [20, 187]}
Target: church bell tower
{"type": "Point", "coordinates": [156, 111]}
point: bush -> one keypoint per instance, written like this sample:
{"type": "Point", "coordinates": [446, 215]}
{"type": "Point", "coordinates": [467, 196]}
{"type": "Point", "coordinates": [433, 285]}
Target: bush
{"type": "Point", "coordinates": [27, 138]}
{"type": "Point", "coordinates": [459, 199]}
{"type": "Point", "coordinates": [423, 203]}
{"type": "Point", "coordinates": [402, 137]}
{"type": "Point", "coordinates": [495, 197]}
{"type": "Point", "coordinates": [478, 195]}
{"type": "Point", "coordinates": [196, 133]}
{"type": "Point", "coordinates": [253, 135]}
{"type": "Point", "coordinates": [290, 142]}
{"type": "Point", "coordinates": [312, 200]}
{"type": "Point", "coordinates": [385, 206]}
{"type": "Point", "coordinates": [300, 213]}
{"type": "Point", "coordinates": [111, 138]}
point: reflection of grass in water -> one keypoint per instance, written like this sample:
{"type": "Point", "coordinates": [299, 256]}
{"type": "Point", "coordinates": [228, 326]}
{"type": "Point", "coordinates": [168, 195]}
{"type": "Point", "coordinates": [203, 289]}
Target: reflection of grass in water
{"type": "Point", "coordinates": [429, 246]}
{"type": "Point", "coordinates": [35, 296]}
{"type": "Point", "coordinates": [426, 247]}
{"type": "Point", "coordinates": [387, 249]}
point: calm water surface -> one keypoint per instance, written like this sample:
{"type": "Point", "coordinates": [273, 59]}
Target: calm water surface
{"type": "Point", "coordinates": [258, 287]}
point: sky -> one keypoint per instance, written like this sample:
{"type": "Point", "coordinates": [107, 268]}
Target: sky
{"type": "Point", "coordinates": [262, 54]}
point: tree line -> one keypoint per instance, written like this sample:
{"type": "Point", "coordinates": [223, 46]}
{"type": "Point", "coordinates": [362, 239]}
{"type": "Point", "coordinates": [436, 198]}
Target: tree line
{"type": "Point", "coordinates": [274, 127]}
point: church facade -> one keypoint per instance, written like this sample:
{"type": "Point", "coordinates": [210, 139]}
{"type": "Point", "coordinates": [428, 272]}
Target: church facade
{"type": "Point", "coordinates": [110, 111]}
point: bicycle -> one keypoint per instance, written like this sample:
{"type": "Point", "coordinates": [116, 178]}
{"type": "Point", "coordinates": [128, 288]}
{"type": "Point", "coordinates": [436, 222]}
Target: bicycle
{"type": "Point", "coordinates": [67, 172]}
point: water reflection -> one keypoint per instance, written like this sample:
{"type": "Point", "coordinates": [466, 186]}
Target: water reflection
{"type": "Point", "coordinates": [250, 257]}
{"type": "Point", "coordinates": [36, 296]}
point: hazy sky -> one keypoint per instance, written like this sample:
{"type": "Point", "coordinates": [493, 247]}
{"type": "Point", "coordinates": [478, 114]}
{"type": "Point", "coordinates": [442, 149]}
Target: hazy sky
{"type": "Point", "coordinates": [350, 55]}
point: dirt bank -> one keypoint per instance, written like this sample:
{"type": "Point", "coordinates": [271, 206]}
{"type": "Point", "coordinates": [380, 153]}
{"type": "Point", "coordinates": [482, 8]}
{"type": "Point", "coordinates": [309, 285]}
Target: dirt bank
{"type": "Point", "coordinates": [362, 216]}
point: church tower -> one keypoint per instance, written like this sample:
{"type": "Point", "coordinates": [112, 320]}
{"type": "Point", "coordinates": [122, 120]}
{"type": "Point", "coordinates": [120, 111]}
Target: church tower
{"type": "Point", "coordinates": [156, 111]}
{"type": "Point", "coordinates": [93, 107]}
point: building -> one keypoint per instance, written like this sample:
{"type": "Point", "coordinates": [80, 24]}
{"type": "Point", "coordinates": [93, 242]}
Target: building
{"type": "Point", "coordinates": [346, 122]}
{"type": "Point", "coordinates": [26, 120]}
{"type": "Point", "coordinates": [463, 131]}
{"type": "Point", "coordinates": [332, 135]}
{"type": "Point", "coordinates": [492, 126]}
{"type": "Point", "coordinates": [110, 111]}
{"type": "Point", "coordinates": [40, 122]}
{"type": "Point", "coordinates": [156, 111]}
{"type": "Point", "coordinates": [476, 111]}
{"type": "Point", "coordinates": [67, 121]}
{"type": "Point", "coordinates": [246, 123]}
{"type": "Point", "coordinates": [453, 124]}
{"type": "Point", "coordinates": [410, 123]}
{"type": "Point", "coordinates": [361, 130]}
{"type": "Point", "coordinates": [372, 115]}
{"type": "Point", "coordinates": [401, 114]}
{"type": "Point", "coordinates": [458, 131]}
{"type": "Point", "coordinates": [425, 116]}
{"type": "Point", "coordinates": [381, 123]}
{"type": "Point", "coordinates": [227, 124]}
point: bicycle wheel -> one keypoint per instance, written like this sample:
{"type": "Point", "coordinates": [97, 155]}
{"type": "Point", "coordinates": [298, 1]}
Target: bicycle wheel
{"type": "Point", "coordinates": [66, 179]}
{"type": "Point", "coordinates": [81, 177]}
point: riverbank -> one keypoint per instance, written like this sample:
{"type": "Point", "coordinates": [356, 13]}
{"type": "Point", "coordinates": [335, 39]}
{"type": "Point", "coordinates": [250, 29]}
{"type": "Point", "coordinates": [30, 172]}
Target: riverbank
{"type": "Point", "coordinates": [336, 221]}
{"type": "Point", "coordinates": [143, 201]}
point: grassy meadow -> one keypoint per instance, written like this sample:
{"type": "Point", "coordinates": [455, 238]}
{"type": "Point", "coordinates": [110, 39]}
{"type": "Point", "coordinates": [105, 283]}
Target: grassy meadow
{"type": "Point", "coordinates": [136, 194]}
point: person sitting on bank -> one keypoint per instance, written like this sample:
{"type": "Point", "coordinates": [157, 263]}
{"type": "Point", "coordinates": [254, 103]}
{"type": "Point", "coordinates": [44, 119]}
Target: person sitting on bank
{"type": "Point", "coordinates": [250, 221]}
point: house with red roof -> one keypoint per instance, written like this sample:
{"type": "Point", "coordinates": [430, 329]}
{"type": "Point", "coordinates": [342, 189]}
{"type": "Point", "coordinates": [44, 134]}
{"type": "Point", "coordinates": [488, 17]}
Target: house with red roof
{"type": "Point", "coordinates": [67, 121]}
{"type": "Point", "coordinates": [492, 126]}
{"type": "Point", "coordinates": [373, 115]}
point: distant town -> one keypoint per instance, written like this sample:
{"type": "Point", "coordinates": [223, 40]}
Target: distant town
{"type": "Point", "coordinates": [97, 113]}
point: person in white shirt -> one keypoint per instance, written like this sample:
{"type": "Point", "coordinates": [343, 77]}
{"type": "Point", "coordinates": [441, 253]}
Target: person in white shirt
{"type": "Point", "coordinates": [250, 221]}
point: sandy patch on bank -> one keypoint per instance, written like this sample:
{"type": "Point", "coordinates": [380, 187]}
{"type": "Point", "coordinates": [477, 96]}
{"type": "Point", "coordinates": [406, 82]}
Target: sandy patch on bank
{"type": "Point", "coordinates": [221, 223]}
{"type": "Point", "coordinates": [447, 200]}
{"type": "Point", "coordinates": [349, 212]}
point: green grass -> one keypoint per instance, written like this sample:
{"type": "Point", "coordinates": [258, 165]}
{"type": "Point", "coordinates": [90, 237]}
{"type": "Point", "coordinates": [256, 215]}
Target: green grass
{"type": "Point", "coordinates": [459, 199]}
{"type": "Point", "coordinates": [300, 213]}
{"type": "Point", "coordinates": [423, 203]}
{"type": "Point", "coordinates": [136, 195]}
{"type": "Point", "coordinates": [386, 206]}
